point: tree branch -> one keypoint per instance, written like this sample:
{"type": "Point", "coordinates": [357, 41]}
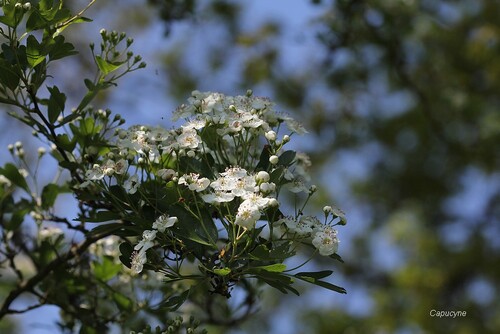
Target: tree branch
{"type": "Point", "coordinates": [30, 284]}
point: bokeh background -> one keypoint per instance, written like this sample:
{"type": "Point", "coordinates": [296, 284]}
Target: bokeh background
{"type": "Point", "coordinates": [402, 102]}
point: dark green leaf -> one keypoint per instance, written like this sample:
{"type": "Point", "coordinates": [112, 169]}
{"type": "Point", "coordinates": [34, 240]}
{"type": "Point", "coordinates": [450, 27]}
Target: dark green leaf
{"type": "Point", "coordinates": [35, 21]}
{"type": "Point", "coordinates": [315, 274]}
{"type": "Point", "coordinates": [16, 219]}
{"type": "Point", "coordinates": [34, 51]}
{"type": "Point", "coordinates": [105, 229]}
{"type": "Point", "coordinates": [12, 173]}
{"type": "Point", "coordinates": [264, 159]}
{"type": "Point", "coordinates": [126, 250]}
{"type": "Point", "coordinates": [174, 302]}
{"type": "Point", "coordinates": [61, 49]}
{"type": "Point", "coordinates": [8, 75]}
{"type": "Point", "coordinates": [286, 158]}
{"type": "Point", "coordinates": [326, 285]}
{"type": "Point", "coordinates": [56, 104]}
{"type": "Point", "coordinates": [65, 143]}
{"type": "Point", "coordinates": [336, 257]}
{"type": "Point", "coordinates": [50, 193]}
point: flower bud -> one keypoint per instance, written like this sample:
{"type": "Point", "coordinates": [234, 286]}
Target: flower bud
{"type": "Point", "coordinates": [271, 135]}
{"type": "Point", "coordinates": [286, 139]}
{"type": "Point", "coordinates": [41, 151]}
{"type": "Point", "coordinates": [273, 202]}
{"type": "Point", "coordinates": [273, 159]}
{"type": "Point", "coordinates": [263, 176]}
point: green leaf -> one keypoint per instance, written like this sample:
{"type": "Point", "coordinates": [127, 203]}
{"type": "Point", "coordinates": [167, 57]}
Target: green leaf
{"type": "Point", "coordinates": [35, 21]}
{"type": "Point", "coordinates": [50, 193]}
{"type": "Point", "coordinates": [308, 278]}
{"type": "Point", "coordinates": [126, 250]}
{"type": "Point", "coordinates": [286, 158]}
{"type": "Point", "coordinates": [315, 274]}
{"type": "Point", "coordinates": [273, 268]}
{"type": "Point", "coordinates": [87, 330]}
{"type": "Point", "coordinates": [222, 271]}
{"type": "Point", "coordinates": [61, 49]}
{"type": "Point", "coordinates": [57, 101]}
{"type": "Point", "coordinates": [284, 288]}
{"type": "Point", "coordinates": [12, 173]}
{"type": "Point", "coordinates": [8, 74]}
{"type": "Point", "coordinates": [107, 67]}
{"type": "Point", "coordinates": [70, 165]}
{"type": "Point", "coordinates": [192, 229]}
{"type": "Point", "coordinates": [173, 303]}
{"type": "Point", "coordinates": [65, 143]}
{"type": "Point", "coordinates": [105, 229]}
{"type": "Point", "coordinates": [123, 302]}
{"type": "Point", "coordinates": [91, 94]}
{"type": "Point", "coordinates": [11, 15]}
{"type": "Point", "coordinates": [337, 257]}
{"type": "Point", "coordinates": [34, 52]}
{"type": "Point", "coordinates": [17, 218]}
{"type": "Point", "coordinates": [264, 159]}
{"type": "Point", "coordinates": [106, 269]}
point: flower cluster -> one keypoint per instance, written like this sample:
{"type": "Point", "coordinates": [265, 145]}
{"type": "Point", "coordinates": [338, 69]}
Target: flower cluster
{"type": "Point", "coordinates": [219, 174]}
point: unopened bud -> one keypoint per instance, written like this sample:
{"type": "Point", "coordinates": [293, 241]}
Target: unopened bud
{"type": "Point", "coordinates": [273, 159]}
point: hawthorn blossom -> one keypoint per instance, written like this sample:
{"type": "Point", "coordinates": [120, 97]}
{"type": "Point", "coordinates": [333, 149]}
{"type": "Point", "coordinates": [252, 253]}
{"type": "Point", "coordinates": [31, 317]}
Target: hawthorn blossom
{"type": "Point", "coordinates": [194, 182]}
{"type": "Point", "coordinates": [326, 243]}
{"type": "Point", "coordinates": [96, 173]}
{"type": "Point", "coordinates": [163, 222]}
{"type": "Point", "coordinates": [247, 215]}
{"type": "Point", "coordinates": [5, 181]}
{"type": "Point", "coordinates": [146, 243]}
{"type": "Point", "coordinates": [137, 261]}
{"type": "Point", "coordinates": [218, 197]}
{"type": "Point", "coordinates": [131, 184]}
{"type": "Point", "coordinates": [188, 139]}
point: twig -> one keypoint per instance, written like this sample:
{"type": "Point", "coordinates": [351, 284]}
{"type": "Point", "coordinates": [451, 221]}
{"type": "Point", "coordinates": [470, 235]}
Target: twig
{"type": "Point", "coordinates": [30, 284]}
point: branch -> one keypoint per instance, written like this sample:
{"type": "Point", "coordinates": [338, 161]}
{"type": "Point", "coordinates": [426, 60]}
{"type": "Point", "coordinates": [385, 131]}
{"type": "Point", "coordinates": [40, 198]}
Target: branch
{"type": "Point", "coordinates": [53, 134]}
{"type": "Point", "coordinates": [30, 284]}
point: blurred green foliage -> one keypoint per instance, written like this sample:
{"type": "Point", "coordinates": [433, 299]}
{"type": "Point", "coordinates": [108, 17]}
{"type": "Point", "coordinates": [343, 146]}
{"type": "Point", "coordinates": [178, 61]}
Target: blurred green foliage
{"type": "Point", "coordinates": [409, 90]}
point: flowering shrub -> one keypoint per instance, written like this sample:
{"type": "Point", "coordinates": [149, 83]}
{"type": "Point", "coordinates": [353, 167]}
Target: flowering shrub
{"type": "Point", "coordinates": [215, 205]}
{"type": "Point", "coordinates": [210, 191]}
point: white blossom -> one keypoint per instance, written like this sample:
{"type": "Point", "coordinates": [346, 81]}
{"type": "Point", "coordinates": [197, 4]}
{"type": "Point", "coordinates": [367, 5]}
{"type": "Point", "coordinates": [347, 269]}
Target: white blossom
{"type": "Point", "coordinates": [218, 197]}
{"type": "Point", "coordinates": [247, 215]}
{"type": "Point", "coordinates": [188, 139]}
{"type": "Point", "coordinates": [163, 222]}
{"type": "Point", "coordinates": [326, 243]}
{"type": "Point", "coordinates": [194, 182]}
{"type": "Point", "coordinates": [146, 243]}
{"type": "Point", "coordinates": [5, 181]}
{"type": "Point", "coordinates": [131, 184]}
{"type": "Point", "coordinates": [138, 259]}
